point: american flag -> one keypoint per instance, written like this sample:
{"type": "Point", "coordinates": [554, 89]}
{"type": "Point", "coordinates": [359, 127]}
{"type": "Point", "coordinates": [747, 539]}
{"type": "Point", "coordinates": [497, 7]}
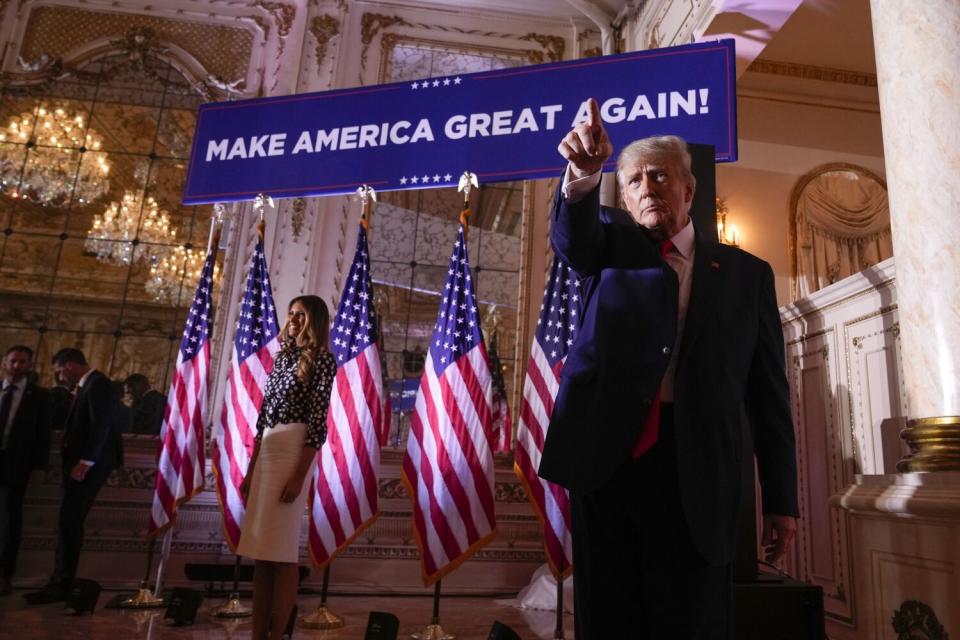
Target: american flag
{"type": "Point", "coordinates": [181, 461]}
{"type": "Point", "coordinates": [254, 346]}
{"type": "Point", "coordinates": [387, 422]}
{"type": "Point", "coordinates": [343, 501]}
{"type": "Point", "coordinates": [502, 420]}
{"type": "Point", "coordinates": [556, 331]}
{"type": "Point", "coordinates": [448, 466]}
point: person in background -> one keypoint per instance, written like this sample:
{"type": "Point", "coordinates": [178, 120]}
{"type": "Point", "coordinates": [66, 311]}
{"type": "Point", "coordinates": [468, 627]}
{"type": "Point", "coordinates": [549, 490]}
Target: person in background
{"type": "Point", "coordinates": [91, 448]}
{"type": "Point", "coordinates": [24, 450]}
{"type": "Point", "coordinates": [147, 405]}
{"type": "Point", "coordinates": [291, 427]}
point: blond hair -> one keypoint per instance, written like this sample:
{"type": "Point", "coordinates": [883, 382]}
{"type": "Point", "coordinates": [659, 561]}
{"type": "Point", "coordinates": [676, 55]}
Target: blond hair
{"type": "Point", "coordinates": [657, 149]}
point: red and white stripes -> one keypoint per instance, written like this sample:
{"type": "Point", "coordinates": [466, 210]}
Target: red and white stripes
{"type": "Point", "coordinates": [448, 466]}
{"type": "Point", "coordinates": [344, 497]}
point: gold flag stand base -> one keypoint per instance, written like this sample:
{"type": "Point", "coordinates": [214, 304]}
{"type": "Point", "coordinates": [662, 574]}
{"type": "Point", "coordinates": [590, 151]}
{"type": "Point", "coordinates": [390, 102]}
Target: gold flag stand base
{"type": "Point", "coordinates": [233, 609]}
{"type": "Point", "coordinates": [322, 618]}
{"type": "Point", "coordinates": [433, 632]}
{"type": "Point", "coordinates": [144, 599]}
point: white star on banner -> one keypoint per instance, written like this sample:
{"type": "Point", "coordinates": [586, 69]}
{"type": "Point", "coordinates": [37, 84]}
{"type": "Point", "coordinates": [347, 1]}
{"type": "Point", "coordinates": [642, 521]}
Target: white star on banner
{"type": "Point", "coordinates": [403, 180]}
{"type": "Point", "coordinates": [456, 80]}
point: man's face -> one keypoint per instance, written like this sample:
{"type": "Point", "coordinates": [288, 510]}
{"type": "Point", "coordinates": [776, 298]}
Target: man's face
{"type": "Point", "coordinates": [657, 195]}
{"type": "Point", "coordinates": [16, 364]}
{"type": "Point", "coordinates": [68, 373]}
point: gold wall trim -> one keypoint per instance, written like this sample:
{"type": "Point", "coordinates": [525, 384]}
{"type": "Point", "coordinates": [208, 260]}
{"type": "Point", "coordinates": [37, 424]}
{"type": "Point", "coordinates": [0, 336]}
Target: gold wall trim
{"type": "Point", "coordinates": [812, 72]}
{"type": "Point", "coordinates": [323, 29]}
{"type": "Point", "coordinates": [57, 32]}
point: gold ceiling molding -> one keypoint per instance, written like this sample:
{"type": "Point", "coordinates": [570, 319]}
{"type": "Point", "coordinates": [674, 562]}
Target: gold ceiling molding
{"type": "Point", "coordinates": [56, 33]}
{"type": "Point", "coordinates": [552, 46]}
{"type": "Point", "coordinates": [370, 25]}
{"type": "Point", "coordinates": [323, 29]}
{"type": "Point", "coordinates": [812, 72]}
{"type": "Point", "coordinates": [142, 51]}
{"type": "Point", "coordinates": [283, 15]}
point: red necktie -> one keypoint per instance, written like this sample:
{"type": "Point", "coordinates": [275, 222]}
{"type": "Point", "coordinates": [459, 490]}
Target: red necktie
{"type": "Point", "coordinates": [651, 426]}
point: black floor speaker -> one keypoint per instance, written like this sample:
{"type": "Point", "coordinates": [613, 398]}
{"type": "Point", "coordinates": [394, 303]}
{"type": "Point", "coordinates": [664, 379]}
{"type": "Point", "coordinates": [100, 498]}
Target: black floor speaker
{"type": "Point", "coordinates": [778, 609]}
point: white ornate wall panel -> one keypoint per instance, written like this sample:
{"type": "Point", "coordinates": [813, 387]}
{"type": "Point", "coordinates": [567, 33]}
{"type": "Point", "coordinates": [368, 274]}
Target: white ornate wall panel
{"type": "Point", "coordinates": [843, 361]}
{"type": "Point", "coordinates": [821, 553]}
{"type": "Point", "coordinates": [872, 345]}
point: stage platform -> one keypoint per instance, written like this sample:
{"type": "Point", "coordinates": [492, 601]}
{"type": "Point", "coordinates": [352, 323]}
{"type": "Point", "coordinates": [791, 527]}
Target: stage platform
{"type": "Point", "coordinates": [468, 617]}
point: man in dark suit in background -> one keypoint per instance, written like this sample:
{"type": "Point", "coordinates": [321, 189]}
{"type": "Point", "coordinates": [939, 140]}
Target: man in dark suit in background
{"type": "Point", "coordinates": [24, 450]}
{"type": "Point", "coordinates": [147, 405]}
{"type": "Point", "coordinates": [90, 450]}
{"type": "Point", "coordinates": [677, 337]}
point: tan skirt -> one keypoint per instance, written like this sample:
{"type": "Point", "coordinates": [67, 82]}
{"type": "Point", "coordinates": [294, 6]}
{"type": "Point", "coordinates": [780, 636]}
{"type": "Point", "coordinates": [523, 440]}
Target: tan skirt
{"type": "Point", "coordinates": [271, 529]}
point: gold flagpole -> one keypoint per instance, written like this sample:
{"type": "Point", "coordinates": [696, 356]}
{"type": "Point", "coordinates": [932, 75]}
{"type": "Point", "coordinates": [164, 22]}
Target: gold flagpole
{"type": "Point", "coordinates": [233, 608]}
{"type": "Point", "coordinates": [322, 617]}
{"type": "Point", "coordinates": [434, 631]}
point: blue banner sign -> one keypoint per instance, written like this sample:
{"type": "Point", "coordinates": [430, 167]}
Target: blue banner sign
{"type": "Point", "coordinates": [501, 125]}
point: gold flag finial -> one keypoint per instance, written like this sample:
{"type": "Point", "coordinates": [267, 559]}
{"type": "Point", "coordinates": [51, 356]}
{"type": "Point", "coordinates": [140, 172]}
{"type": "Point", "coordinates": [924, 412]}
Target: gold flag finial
{"type": "Point", "coordinates": [368, 200]}
{"type": "Point", "coordinates": [467, 181]}
{"type": "Point", "coordinates": [260, 203]}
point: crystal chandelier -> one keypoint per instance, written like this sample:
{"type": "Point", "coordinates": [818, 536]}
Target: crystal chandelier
{"type": "Point", "coordinates": [113, 232]}
{"type": "Point", "coordinates": [57, 142]}
{"type": "Point", "coordinates": [174, 275]}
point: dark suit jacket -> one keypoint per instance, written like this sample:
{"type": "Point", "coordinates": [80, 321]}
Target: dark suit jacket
{"type": "Point", "coordinates": [28, 446]}
{"type": "Point", "coordinates": [92, 430]}
{"type": "Point", "coordinates": [731, 358]}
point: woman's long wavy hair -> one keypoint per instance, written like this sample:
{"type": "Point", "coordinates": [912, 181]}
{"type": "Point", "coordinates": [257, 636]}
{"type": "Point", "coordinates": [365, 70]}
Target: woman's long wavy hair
{"type": "Point", "coordinates": [313, 339]}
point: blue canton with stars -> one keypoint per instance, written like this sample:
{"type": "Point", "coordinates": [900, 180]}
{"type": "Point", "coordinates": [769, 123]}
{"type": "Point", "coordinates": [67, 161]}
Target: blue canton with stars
{"type": "Point", "coordinates": [257, 323]}
{"type": "Point", "coordinates": [197, 330]}
{"type": "Point", "coordinates": [458, 328]}
{"type": "Point", "coordinates": [356, 321]}
{"type": "Point", "coordinates": [559, 313]}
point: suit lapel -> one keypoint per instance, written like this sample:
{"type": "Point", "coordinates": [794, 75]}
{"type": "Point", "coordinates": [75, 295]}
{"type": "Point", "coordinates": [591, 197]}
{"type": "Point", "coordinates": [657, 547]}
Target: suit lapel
{"type": "Point", "coordinates": [707, 271]}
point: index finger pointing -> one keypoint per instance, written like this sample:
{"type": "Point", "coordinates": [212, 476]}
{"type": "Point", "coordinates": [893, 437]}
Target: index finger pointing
{"type": "Point", "coordinates": [594, 120]}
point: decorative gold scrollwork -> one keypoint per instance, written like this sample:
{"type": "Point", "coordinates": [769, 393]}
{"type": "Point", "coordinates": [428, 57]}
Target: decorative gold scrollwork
{"type": "Point", "coordinates": [915, 620]}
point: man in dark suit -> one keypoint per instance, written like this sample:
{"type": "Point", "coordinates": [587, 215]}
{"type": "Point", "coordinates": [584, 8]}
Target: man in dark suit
{"type": "Point", "coordinates": [147, 405]}
{"type": "Point", "coordinates": [677, 337]}
{"type": "Point", "coordinates": [90, 450]}
{"type": "Point", "coordinates": [24, 450]}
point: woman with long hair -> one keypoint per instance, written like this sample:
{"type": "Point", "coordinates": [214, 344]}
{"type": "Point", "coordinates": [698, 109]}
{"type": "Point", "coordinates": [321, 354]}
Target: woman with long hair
{"type": "Point", "coordinates": [291, 427]}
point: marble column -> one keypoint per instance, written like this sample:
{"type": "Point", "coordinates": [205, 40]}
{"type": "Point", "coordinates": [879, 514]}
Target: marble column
{"type": "Point", "coordinates": [918, 72]}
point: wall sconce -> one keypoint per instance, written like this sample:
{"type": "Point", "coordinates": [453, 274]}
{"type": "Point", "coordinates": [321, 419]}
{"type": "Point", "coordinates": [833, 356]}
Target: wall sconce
{"type": "Point", "coordinates": [726, 234]}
